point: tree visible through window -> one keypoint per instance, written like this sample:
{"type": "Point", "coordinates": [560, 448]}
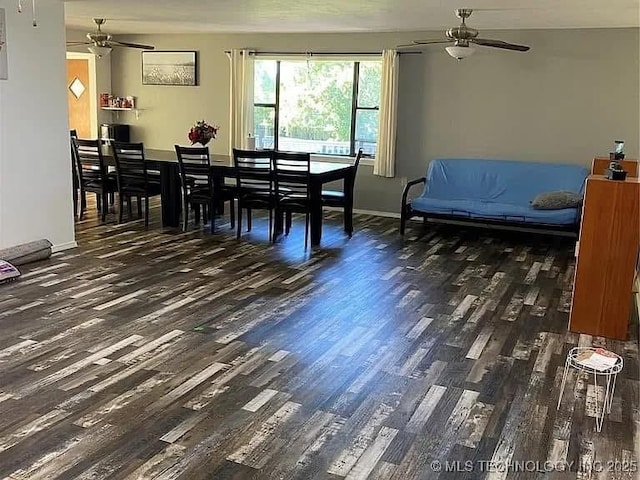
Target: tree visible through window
{"type": "Point", "coordinates": [326, 107]}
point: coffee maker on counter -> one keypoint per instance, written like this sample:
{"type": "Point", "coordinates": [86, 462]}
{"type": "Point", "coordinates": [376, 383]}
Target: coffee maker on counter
{"type": "Point", "coordinates": [114, 132]}
{"type": "Point", "coordinates": [615, 170]}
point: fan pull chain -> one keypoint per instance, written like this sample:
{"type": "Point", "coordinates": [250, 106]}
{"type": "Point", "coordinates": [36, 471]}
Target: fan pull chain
{"type": "Point", "coordinates": [19, 6]}
{"type": "Point", "coordinates": [33, 3]}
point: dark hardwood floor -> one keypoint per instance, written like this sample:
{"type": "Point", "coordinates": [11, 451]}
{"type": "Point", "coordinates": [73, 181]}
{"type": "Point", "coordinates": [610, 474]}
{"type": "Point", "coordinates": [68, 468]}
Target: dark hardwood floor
{"type": "Point", "coordinates": [148, 354]}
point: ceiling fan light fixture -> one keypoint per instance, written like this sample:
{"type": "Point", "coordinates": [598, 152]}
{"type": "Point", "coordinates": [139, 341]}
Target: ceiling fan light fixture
{"type": "Point", "coordinates": [99, 51]}
{"type": "Point", "coordinates": [460, 52]}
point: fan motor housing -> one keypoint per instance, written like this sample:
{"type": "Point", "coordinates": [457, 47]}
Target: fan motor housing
{"type": "Point", "coordinates": [462, 33]}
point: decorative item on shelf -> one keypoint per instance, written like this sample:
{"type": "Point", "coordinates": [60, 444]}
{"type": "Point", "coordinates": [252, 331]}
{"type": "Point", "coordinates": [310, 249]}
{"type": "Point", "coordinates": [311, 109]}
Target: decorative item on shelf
{"type": "Point", "coordinates": [202, 133]}
{"type": "Point", "coordinates": [615, 170]}
{"type": "Point", "coordinates": [109, 101]}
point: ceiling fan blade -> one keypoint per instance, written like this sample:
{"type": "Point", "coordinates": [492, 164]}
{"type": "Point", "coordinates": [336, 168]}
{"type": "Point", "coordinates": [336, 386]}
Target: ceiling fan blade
{"type": "Point", "coordinates": [431, 42]}
{"type": "Point", "coordinates": [420, 43]}
{"type": "Point", "coordinates": [499, 44]}
{"type": "Point", "coordinates": [76, 44]}
{"type": "Point", "coordinates": [131, 45]}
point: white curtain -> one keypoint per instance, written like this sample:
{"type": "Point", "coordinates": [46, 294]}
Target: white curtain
{"type": "Point", "coordinates": [384, 165]}
{"type": "Point", "coordinates": [241, 99]}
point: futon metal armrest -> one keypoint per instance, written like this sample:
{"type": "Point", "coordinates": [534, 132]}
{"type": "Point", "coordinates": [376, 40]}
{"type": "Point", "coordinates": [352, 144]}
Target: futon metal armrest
{"type": "Point", "coordinates": [408, 186]}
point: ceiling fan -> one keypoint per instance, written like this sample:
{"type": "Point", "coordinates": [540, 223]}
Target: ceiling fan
{"type": "Point", "coordinates": [100, 43]}
{"type": "Point", "coordinates": [462, 37]}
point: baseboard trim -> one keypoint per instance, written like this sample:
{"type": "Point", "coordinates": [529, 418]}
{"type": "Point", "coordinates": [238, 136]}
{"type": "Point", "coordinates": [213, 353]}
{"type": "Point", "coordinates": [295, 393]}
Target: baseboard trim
{"type": "Point", "coordinates": [360, 211]}
{"type": "Point", "coordinates": [377, 213]}
{"type": "Point", "coordinates": [64, 246]}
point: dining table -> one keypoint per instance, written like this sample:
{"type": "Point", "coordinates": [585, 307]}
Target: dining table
{"type": "Point", "coordinates": [166, 162]}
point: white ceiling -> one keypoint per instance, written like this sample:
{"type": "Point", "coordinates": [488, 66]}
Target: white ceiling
{"type": "Point", "coordinates": [183, 16]}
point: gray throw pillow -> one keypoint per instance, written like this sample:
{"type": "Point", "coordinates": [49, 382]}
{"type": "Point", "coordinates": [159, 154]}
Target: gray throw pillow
{"type": "Point", "coordinates": [556, 200]}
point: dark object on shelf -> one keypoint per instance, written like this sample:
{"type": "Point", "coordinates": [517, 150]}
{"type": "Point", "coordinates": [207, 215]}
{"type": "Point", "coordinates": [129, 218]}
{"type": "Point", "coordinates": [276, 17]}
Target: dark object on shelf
{"type": "Point", "coordinates": [615, 172]}
{"type": "Point", "coordinates": [114, 132]}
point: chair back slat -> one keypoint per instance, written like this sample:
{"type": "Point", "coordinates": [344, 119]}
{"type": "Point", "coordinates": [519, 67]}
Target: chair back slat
{"type": "Point", "coordinates": [292, 174]}
{"type": "Point", "coordinates": [91, 165]}
{"type": "Point", "coordinates": [195, 165]}
{"type": "Point", "coordinates": [131, 168]}
{"type": "Point", "coordinates": [254, 170]}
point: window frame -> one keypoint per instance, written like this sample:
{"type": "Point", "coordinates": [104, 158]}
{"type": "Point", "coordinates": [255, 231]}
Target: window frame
{"type": "Point", "coordinates": [355, 107]}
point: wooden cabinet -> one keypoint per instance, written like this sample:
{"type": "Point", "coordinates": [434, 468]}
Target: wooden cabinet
{"type": "Point", "coordinates": [605, 268]}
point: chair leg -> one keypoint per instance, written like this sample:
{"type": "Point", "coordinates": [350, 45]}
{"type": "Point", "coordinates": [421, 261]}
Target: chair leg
{"type": "Point", "coordinates": [139, 201]}
{"type": "Point", "coordinates": [248, 219]}
{"type": "Point", "coordinates": [120, 207]}
{"type": "Point", "coordinates": [196, 209]}
{"type": "Point", "coordinates": [403, 220]}
{"type": "Point", "coordinates": [129, 207]}
{"type": "Point", "coordinates": [348, 219]}
{"type": "Point", "coordinates": [306, 229]}
{"type": "Point", "coordinates": [98, 202]}
{"type": "Point", "coordinates": [146, 210]}
{"type": "Point", "coordinates": [83, 204]}
{"type": "Point", "coordinates": [75, 203]}
{"type": "Point", "coordinates": [232, 212]}
{"type": "Point", "coordinates": [112, 198]}
{"type": "Point", "coordinates": [185, 214]}
{"type": "Point", "coordinates": [272, 230]}
{"type": "Point", "coordinates": [288, 222]}
{"type": "Point", "coordinates": [105, 206]}
{"type": "Point", "coordinates": [213, 216]}
{"type": "Point", "coordinates": [239, 229]}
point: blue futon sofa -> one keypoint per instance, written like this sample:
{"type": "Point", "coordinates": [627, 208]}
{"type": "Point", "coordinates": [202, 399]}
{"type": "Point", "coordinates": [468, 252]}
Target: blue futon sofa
{"type": "Point", "coordinates": [494, 191]}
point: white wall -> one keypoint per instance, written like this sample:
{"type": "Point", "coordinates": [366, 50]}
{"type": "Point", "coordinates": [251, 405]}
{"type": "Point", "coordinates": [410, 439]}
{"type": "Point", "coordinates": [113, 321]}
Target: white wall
{"type": "Point", "coordinates": [35, 170]}
{"type": "Point", "coordinates": [566, 100]}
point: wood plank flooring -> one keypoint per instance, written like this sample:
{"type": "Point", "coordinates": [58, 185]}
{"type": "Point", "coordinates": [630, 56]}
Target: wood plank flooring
{"type": "Point", "coordinates": [151, 354]}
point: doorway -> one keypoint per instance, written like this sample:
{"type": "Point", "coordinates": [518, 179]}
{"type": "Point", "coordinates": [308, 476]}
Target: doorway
{"type": "Point", "coordinates": [81, 94]}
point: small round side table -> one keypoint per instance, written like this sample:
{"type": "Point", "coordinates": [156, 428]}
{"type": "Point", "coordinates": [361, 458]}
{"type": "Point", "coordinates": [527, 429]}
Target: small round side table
{"type": "Point", "coordinates": [610, 374]}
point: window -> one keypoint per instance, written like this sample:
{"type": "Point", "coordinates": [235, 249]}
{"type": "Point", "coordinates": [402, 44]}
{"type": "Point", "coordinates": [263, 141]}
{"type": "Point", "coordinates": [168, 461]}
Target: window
{"type": "Point", "coordinates": [318, 106]}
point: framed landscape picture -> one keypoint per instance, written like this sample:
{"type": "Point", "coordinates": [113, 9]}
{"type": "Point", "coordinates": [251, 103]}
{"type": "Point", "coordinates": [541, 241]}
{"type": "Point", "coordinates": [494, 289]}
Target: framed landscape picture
{"type": "Point", "coordinates": [170, 68]}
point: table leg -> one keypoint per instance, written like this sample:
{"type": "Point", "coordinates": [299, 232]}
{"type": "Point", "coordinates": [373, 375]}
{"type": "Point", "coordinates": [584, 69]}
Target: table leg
{"type": "Point", "coordinates": [315, 193]}
{"type": "Point", "coordinates": [170, 194]}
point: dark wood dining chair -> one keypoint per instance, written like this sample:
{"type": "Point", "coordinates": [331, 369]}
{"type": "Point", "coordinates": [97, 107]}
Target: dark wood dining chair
{"type": "Point", "coordinates": [75, 182]}
{"type": "Point", "coordinates": [292, 183]}
{"type": "Point", "coordinates": [198, 185]}
{"type": "Point", "coordinates": [133, 178]}
{"type": "Point", "coordinates": [254, 185]}
{"type": "Point", "coordinates": [92, 173]}
{"type": "Point", "coordinates": [344, 199]}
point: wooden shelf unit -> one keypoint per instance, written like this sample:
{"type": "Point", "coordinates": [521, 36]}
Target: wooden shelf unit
{"type": "Point", "coordinates": [605, 268]}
